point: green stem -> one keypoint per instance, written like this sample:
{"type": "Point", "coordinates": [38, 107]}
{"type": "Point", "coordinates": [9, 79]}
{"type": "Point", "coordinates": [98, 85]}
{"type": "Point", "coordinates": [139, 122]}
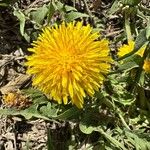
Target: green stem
{"type": "Point", "coordinates": [111, 139]}
{"type": "Point", "coordinates": [118, 111]}
{"type": "Point", "coordinates": [141, 98]}
{"type": "Point", "coordinates": [127, 26]}
{"type": "Point", "coordinates": [123, 121]}
{"type": "Point", "coordinates": [139, 71]}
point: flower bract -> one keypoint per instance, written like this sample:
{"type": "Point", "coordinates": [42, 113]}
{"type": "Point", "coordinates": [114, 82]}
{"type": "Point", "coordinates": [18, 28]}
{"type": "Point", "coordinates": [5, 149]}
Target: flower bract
{"type": "Point", "coordinates": [68, 62]}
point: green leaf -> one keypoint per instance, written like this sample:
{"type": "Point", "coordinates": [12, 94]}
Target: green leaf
{"type": "Point", "coordinates": [69, 8]}
{"type": "Point", "coordinates": [7, 2]}
{"type": "Point", "coordinates": [74, 15]}
{"type": "Point", "coordinates": [39, 15]}
{"type": "Point", "coordinates": [129, 63]}
{"type": "Point", "coordinates": [114, 8]}
{"type": "Point", "coordinates": [33, 93]}
{"type": "Point", "coordinates": [49, 140]}
{"type": "Point", "coordinates": [128, 66]}
{"type": "Point", "coordinates": [131, 2]}
{"type": "Point", "coordinates": [49, 110]}
{"type": "Point", "coordinates": [148, 29]}
{"type": "Point", "coordinates": [125, 102]}
{"type": "Point", "coordinates": [59, 6]}
{"type": "Point", "coordinates": [86, 129]}
{"type": "Point", "coordinates": [8, 111]}
{"type": "Point", "coordinates": [69, 113]}
{"type": "Point", "coordinates": [142, 78]}
{"type": "Point", "coordinates": [140, 40]}
{"type": "Point", "coordinates": [37, 96]}
{"type": "Point", "coordinates": [139, 140]}
{"type": "Point", "coordinates": [21, 18]}
{"type": "Point", "coordinates": [111, 139]}
{"type": "Point", "coordinates": [90, 129]}
{"type": "Point", "coordinates": [51, 11]}
{"type": "Point", "coordinates": [40, 100]}
{"type": "Point", "coordinates": [141, 15]}
{"type": "Point", "coordinates": [3, 4]}
{"type": "Point", "coordinates": [90, 121]}
{"type": "Point", "coordinates": [27, 113]}
{"type": "Point", "coordinates": [32, 112]}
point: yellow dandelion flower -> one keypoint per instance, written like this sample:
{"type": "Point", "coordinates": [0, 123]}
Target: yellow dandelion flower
{"type": "Point", "coordinates": [146, 66]}
{"type": "Point", "coordinates": [69, 62]}
{"type": "Point", "coordinates": [128, 48]}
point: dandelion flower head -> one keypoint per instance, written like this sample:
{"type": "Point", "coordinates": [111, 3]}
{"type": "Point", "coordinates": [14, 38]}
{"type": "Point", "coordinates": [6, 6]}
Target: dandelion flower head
{"type": "Point", "coordinates": [68, 62]}
{"type": "Point", "coordinates": [125, 49]}
{"type": "Point", "coordinates": [16, 99]}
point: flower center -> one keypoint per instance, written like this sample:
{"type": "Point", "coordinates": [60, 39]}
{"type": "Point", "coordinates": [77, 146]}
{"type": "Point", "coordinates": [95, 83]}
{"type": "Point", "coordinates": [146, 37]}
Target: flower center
{"type": "Point", "coordinates": [67, 57]}
{"type": "Point", "coordinates": [68, 60]}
